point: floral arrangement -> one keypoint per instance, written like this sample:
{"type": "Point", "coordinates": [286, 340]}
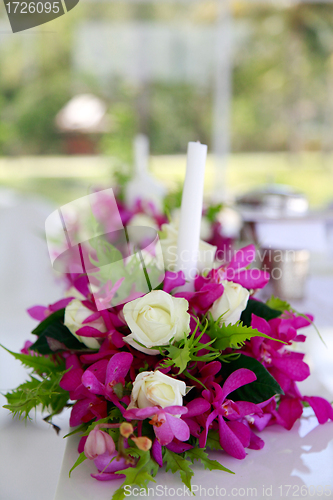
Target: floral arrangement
{"type": "Point", "coordinates": [159, 365]}
{"type": "Point", "coordinates": [166, 376]}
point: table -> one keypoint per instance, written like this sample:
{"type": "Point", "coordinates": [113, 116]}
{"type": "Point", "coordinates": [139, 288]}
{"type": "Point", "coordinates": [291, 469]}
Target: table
{"type": "Point", "coordinates": [291, 464]}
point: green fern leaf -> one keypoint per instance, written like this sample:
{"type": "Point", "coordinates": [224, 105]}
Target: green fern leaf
{"type": "Point", "coordinates": [233, 336]}
{"type": "Point", "coordinates": [140, 475]}
{"type": "Point", "coordinates": [202, 456]}
{"type": "Point", "coordinates": [176, 463]}
{"type": "Point", "coordinates": [45, 393]}
{"type": "Point", "coordinates": [40, 364]}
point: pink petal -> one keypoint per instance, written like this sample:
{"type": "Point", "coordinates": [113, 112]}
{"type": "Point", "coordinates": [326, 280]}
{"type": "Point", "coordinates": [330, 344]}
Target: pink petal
{"type": "Point", "coordinates": [229, 441]}
{"type": "Point", "coordinates": [72, 360]}
{"type": "Point", "coordinates": [200, 281]}
{"type": "Point", "coordinates": [118, 367]}
{"type": "Point", "coordinates": [164, 433]}
{"type": "Point", "coordinates": [173, 280]}
{"type": "Point", "coordinates": [92, 317]}
{"type": "Point", "coordinates": [261, 421]}
{"type": "Point", "coordinates": [211, 369]}
{"type": "Point", "coordinates": [290, 410]}
{"type": "Point", "coordinates": [247, 408]}
{"type": "Point", "coordinates": [256, 442]}
{"type": "Point", "coordinates": [197, 407]}
{"type": "Point", "coordinates": [37, 312]}
{"type": "Point", "coordinates": [296, 369]}
{"type": "Point", "coordinates": [178, 447]}
{"type": "Point", "coordinates": [156, 451]}
{"type": "Point", "coordinates": [241, 431]}
{"type": "Point", "coordinates": [99, 369]}
{"type": "Point", "coordinates": [89, 331]}
{"type": "Point", "coordinates": [60, 304]}
{"type": "Point", "coordinates": [282, 379]}
{"type": "Point", "coordinates": [107, 318]}
{"type": "Point", "coordinates": [301, 322]}
{"type": "Point", "coordinates": [105, 476]}
{"type": "Point", "coordinates": [81, 284]}
{"type": "Point", "coordinates": [141, 413]}
{"type": "Point", "coordinates": [179, 428]}
{"type": "Point", "coordinates": [109, 463]}
{"type": "Point", "coordinates": [71, 380]}
{"type": "Point", "coordinates": [176, 410]}
{"type": "Point", "coordinates": [194, 427]}
{"type": "Point", "coordinates": [322, 408]}
{"type": "Point", "coordinates": [249, 278]}
{"type": "Point", "coordinates": [203, 435]}
{"type": "Point", "coordinates": [208, 294]}
{"type": "Point", "coordinates": [86, 359]}
{"type": "Point", "coordinates": [260, 324]}
{"type": "Point", "coordinates": [82, 442]}
{"type": "Point", "coordinates": [237, 379]}
{"type": "Point", "coordinates": [117, 339]}
{"type": "Point", "coordinates": [243, 257]}
{"type": "Point", "coordinates": [79, 410]}
{"type": "Point", "coordinates": [89, 305]}
{"type": "Point", "coordinates": [91, 382]}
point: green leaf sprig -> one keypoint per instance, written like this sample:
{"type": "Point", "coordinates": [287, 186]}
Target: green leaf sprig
{"type": "Point", "coordinates": [186, 350]}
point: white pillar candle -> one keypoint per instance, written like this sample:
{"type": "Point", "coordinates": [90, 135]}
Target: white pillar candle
{"type": "Point", "coordinates": [191, 210]}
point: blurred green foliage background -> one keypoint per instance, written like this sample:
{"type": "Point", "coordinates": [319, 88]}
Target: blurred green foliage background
{"type": "Point", "coordinates": [281, 105]}
{"type": "Point", "coordinates": [282, 83]}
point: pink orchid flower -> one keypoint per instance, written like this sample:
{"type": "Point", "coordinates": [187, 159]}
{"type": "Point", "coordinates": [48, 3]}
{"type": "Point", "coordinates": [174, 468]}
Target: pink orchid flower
{"type": "Point", "coordinates": [209, 289]}
{"type": "Point", "coordinates": [234, 435]}
{"type": "Point", "coordinates": [99, 442]}
{"type": "Point", "coordinates": [116, 371]}
{"type": "Point", "coordinates": [166, 425]}
{"type": "Point", "coordinates": [88, 406]}
{"type": "Point", "coordinates": [283, 364]}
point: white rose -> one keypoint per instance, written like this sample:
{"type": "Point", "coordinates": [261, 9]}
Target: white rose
{"type": "Point", "coordinates": [75, 314]}
{"type": "Point", "coordinates": [155, 319]}
{"type": "Point", "coordinates": [231, 304]}
{"type": "Point", "coordinates": [206, 252]}
{"type": "Point", "coordinates": [155, 388]}
{"type": "Point", "coordinates": [73, 292]}
{"type": "Point", "coordinates": [143, 220]}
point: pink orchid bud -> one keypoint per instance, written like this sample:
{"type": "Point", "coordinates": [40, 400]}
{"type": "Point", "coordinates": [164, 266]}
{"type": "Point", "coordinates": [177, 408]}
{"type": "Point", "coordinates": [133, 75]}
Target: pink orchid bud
{"type": "Point", "coordinates": [98, 442]}
{"type": "Point", "coordinates": [143, 443]}
{"type": "Point", "coordinates": [126, 429]}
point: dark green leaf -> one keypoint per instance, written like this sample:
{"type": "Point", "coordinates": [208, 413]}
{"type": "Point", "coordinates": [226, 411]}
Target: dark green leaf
{"type": "Point", "coordinates": [258, 391]}
{"type": "Point", "coordinates": [63, 338]}
{"type": "Point", "coordinates": [259, 309]}
{"type": "Point", "coordinates": [54, 317]}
